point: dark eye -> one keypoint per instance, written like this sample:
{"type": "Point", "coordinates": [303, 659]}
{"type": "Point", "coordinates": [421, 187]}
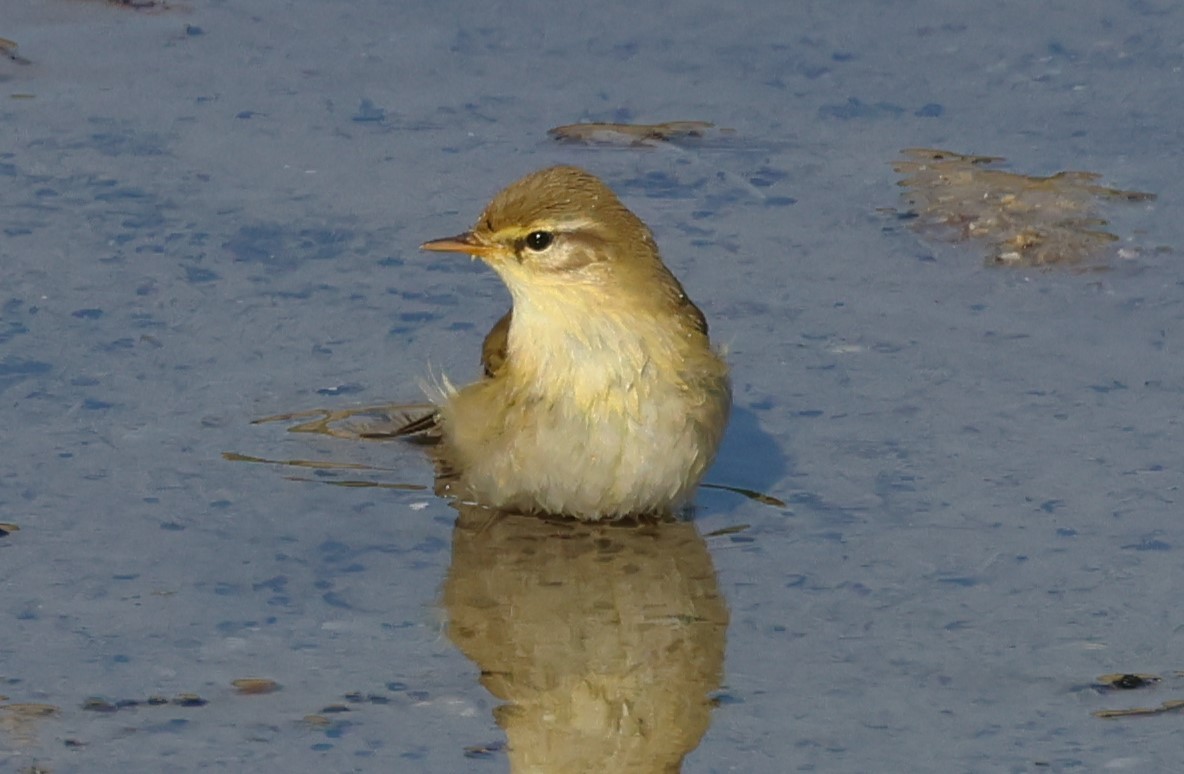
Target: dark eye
{"type": "Point", "coordinates": [539, 240]}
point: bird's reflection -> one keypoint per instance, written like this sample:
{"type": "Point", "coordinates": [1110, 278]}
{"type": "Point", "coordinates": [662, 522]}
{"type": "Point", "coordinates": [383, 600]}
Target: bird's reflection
{"type": "Point", "coordinates": [603, 641]}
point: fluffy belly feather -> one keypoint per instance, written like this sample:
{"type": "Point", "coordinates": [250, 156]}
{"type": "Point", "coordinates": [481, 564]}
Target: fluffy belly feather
{"type": "Point", "coordinates": [630, 450]}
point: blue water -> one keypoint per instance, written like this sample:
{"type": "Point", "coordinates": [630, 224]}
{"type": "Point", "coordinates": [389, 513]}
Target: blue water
{"type": "Point", "coordinates": [211, 212]}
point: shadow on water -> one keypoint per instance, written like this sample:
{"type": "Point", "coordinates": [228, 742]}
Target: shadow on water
{"type": "Point", "coordinates": [604, 642]}
{"type": "Point", "coordinates": [750, 461]}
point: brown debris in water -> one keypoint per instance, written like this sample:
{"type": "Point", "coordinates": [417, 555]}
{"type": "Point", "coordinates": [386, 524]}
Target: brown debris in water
{"type": "Point", "coordinates": [141, 5]}
{"type": "Point", "coordinates": [1131, 681]}
{"type": "Point", "coordinates": [31, 710]}
{"type": "Point", "coordinates": [255, 686]}
{"type": "Point", "coordinates": [1174, 705]}
{"type": "Point", "coordinates": [1023, 220]}
{"type": "Point", "coordinates": [8, 51]}
{"type": "Point", "coordinates": [21, 721]}
{"type": "Point", "coordinates": [1127, 681]}
{"type": "Point", "coordinates": [629, 134]}
{"type": "Point", "coordinates": [148, 6]}
{"type": "Point", "coordinates": [363, 422]}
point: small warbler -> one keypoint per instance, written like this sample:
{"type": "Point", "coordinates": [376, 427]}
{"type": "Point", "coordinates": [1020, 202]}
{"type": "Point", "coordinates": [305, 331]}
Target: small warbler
{"type": "Point", "coordinates": [602, 396]}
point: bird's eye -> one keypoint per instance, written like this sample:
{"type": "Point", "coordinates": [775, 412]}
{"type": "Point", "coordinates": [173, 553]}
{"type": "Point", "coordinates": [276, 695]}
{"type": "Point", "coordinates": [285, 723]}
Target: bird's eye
{"type": "Point", "coordinates": [539, 240]}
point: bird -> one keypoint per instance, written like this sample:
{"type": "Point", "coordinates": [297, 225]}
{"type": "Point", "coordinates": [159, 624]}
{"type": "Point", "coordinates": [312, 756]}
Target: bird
{"type": "Point", "coordinates": [602, 397]}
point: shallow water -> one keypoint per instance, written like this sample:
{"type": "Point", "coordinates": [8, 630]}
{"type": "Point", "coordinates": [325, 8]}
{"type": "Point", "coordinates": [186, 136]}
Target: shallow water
{"type": "Point", "coordinates": [211, 213]}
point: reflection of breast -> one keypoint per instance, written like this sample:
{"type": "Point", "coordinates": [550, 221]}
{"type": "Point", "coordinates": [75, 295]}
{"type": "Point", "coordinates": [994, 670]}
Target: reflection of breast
{"type": "Point", "coordinates": [603, 640]}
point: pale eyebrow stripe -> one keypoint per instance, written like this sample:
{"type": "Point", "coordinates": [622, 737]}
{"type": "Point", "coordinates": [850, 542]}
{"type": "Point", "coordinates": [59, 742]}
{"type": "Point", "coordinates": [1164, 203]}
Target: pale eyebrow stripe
{"type": "Point", "coordinates": [565, 226]}
{"type": "Point", "coordinates": [575, 224]}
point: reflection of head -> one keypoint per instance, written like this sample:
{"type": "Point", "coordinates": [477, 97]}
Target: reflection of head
{"type": "Point", "coordinates": [604, 641]}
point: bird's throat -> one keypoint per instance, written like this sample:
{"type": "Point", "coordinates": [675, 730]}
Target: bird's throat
{"type": "Point", "coordinates": [562, 347]}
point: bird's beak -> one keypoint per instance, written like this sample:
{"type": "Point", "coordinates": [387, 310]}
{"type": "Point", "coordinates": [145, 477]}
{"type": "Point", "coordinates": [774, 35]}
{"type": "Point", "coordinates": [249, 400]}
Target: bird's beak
{"type": "Point", "coordinates": [461, 243]}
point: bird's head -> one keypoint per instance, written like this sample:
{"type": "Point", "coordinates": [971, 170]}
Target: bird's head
{"type": "Point", "coordinates": [562, 228]}
{"type": "Point", "coordinates": [560, 223]}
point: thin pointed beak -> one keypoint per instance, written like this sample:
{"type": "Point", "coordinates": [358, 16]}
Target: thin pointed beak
{"type": "Point", "coordinates": [461, 243]}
